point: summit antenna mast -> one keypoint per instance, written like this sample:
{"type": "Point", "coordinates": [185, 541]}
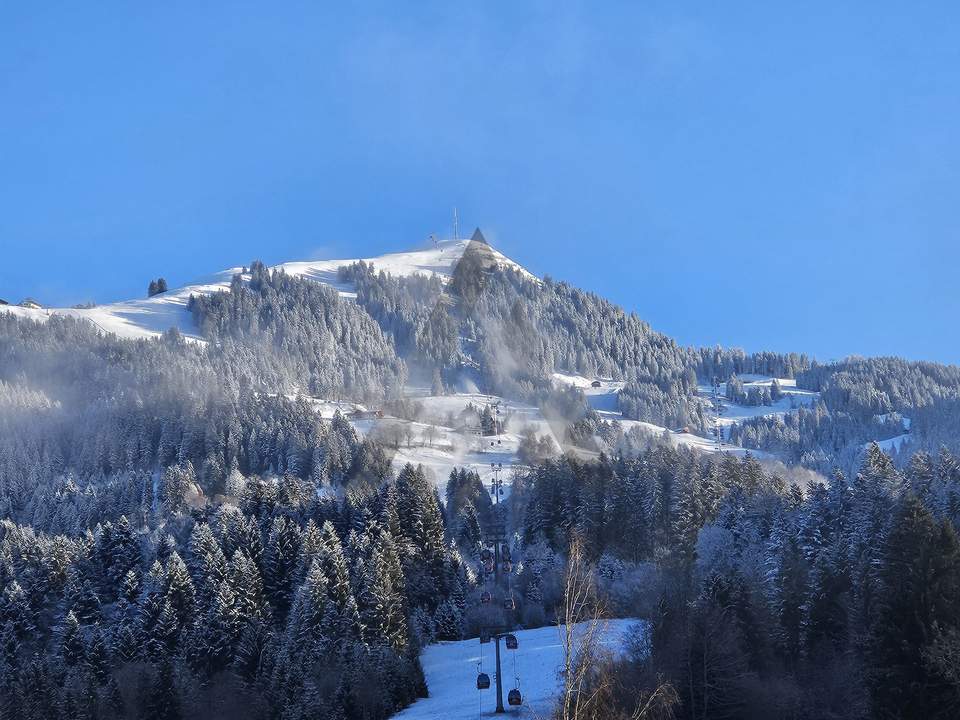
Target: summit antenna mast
{"type": "Point", "coordinates": [456, 225]}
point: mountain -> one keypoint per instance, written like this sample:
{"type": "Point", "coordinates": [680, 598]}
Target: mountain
{"type": "Point", "coordinates": [458, 327]}
{"type": "Point", "coordinates": [265, 494]}
{"type": "Point", "coordinates": [479, 368]}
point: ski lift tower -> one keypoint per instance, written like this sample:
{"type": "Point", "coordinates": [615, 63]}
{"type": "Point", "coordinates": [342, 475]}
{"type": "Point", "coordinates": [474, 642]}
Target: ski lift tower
{"type": "Point", "coordinates": [496, 633]}
{"type": "Point", "coordinates": [496, 485]}
{"type": "Point", "coordinates": [498, 530]}
{"type": "Point", "coordinates": [717, 406]}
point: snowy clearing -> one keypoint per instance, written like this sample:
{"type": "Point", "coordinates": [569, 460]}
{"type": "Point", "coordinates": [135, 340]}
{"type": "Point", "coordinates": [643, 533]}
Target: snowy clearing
{"type": "Point", "coordinates": [904, 422]}
{"type": "Point", "coordinates": [451, 672]}
{"type": "Point", "coordinates": [603, 399]}
{"type": "Point", "coordinates": [733, 413]}
{"type": "Point", "coordinates": [890, 444]}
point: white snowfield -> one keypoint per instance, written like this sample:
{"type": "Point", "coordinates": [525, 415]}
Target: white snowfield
{"type": "Point", "coordinates": [603, 399]}
{"type": "Point", "coordinates": [451, 670]}
{"type": "Point", "coordinates": [895, 418]}
{"type": "Point", "coordinates": [143, 318]}
{"type": "Point", "coordinates": [440, 446]}
{"type": "Point", "coordinates": [890, 444]}
{"type": "Point", "coordinates": [792, 399]}
{"type": "Point", "coordinates": [893, 444]}
{"type": "Point", "coordinates": [150, 317]}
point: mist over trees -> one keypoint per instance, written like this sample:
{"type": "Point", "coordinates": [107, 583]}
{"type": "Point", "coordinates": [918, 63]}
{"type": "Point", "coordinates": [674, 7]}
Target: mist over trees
{"type": "Point", "coordinates": [515, 331]}
{"type": "Point", "coordinates": [103, 406]}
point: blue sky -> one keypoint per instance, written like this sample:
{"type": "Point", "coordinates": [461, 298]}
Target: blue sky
{"type": "Point", "coordinates": [752, 174]}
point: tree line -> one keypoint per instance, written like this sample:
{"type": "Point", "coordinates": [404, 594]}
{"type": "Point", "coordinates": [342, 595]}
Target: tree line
{"type": "Point", "coordinates": [837, 600]}
{"type": "Point", "coordinates": [275, 605]}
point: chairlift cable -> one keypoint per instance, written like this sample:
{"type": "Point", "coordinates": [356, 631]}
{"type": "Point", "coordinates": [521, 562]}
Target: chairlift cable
{"type": "Point", "coordinates": [479, 691]}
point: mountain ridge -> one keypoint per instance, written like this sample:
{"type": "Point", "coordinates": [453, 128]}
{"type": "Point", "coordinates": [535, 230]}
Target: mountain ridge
{"type": "Point", "coordinates": [152, 316]}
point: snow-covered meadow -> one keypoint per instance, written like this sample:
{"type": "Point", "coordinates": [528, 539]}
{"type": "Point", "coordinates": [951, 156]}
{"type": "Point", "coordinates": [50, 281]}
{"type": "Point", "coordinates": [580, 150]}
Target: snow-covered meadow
{"type": "Point", "coordinates": [451, 671]}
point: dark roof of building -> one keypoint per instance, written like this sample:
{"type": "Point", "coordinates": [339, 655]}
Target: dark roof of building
{"type": "Point", "coordinates": [478, 237]}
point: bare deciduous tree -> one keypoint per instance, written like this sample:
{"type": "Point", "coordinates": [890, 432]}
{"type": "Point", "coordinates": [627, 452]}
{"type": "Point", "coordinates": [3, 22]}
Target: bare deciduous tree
{"type": "Point", "coordinates": [591, 688]}
{"type": "Point", "coordinates": [430, 434]}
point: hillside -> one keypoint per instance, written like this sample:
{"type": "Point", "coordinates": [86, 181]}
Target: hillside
{"type": "Point", "coordinates": [493, 336]}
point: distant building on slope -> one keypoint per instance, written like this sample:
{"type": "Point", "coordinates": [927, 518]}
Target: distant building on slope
{"type": "Point", "coordinates": [359, 414]}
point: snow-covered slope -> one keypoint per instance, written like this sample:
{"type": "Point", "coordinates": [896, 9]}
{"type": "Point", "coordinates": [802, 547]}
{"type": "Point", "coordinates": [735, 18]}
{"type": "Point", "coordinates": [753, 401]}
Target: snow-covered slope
{"type": "Point", "coordinates": [438, 260]}
{"type": "Point", "coordinates": [442, 441]}
{"type": "Point", "coordinates": [146, 317]}
{"type": "Point", "coordinates": [149, 317]}
{"type": "Point", "coordinates": [890, 444]}
{"type": "Point", "coordinates": [451, 670]}
{"type": "Point", "coordinates": [603, 399]}
{"type": "Point", "coordinates": [793, 398]}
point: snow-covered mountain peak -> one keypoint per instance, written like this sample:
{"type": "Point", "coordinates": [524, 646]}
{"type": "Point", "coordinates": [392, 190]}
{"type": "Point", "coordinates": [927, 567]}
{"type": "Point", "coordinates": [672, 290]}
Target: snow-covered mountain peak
{"type": "Point", "coordinates": [150, 317]}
